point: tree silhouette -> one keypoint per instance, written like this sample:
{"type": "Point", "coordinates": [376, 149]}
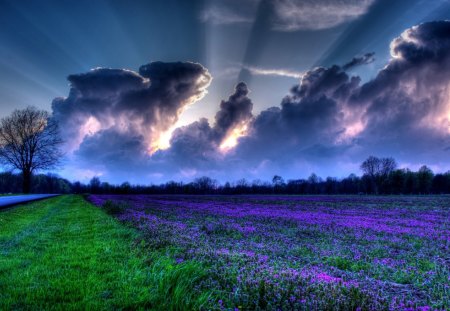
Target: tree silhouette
{"type": "Point", "coordinates": [377, 171]}
{"type": "Point", "coordinates": [425, 179]}
{"type": "Point", "coordinates": [29, 142]}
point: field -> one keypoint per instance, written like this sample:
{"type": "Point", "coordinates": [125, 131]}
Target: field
{"type": "Point", "coordinates": [226, 253]}
{"type": "Point", "coordinates": [299, 253]}
{"type": "Point", "coordinates": [65, 254]}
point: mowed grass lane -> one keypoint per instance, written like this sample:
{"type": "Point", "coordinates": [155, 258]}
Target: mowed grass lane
{"type": "Point", "coordinates": [64, 253]}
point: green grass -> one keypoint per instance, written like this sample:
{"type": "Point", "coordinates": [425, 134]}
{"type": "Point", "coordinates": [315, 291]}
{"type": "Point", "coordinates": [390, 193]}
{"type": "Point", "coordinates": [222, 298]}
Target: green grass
{"type": "Point", "coordinates": [65, 254]}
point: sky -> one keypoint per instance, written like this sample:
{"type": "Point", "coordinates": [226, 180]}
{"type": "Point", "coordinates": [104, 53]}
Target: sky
{"type": "Point", "coordinates": [152, 91]}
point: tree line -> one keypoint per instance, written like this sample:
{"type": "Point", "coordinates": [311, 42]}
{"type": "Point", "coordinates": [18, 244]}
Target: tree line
{"type": "Point", "coordinates": [398, 181]}
{"type": "Point", "coordinates": [39, 183]}
{"type": "Point", "coordinates": [376, 179]}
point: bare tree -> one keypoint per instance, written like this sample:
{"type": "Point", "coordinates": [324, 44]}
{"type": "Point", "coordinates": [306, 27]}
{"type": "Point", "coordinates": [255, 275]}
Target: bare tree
{"type": "Point", "coordinates": [29, 142]}
{"type": "Point", "coordinates": [378, 170]}
{"type": "Point", "coordinates": [388, 165]}
{"type": "Point", "coordinates": [205, 184]}
{"type": "Point", "coordinates": [371, 166]}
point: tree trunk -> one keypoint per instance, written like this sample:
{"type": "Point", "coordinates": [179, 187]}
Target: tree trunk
{"type": "Point", "coordinates": [26, 185]}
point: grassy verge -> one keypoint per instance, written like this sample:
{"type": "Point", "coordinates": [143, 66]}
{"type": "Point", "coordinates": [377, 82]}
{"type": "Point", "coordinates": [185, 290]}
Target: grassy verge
{"type": "Point", "coordinates": [63, 253]}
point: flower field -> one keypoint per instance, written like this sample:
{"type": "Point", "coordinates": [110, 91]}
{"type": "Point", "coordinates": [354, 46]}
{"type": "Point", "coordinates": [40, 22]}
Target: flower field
{"type": "Point", "coordinates": [301, 252]}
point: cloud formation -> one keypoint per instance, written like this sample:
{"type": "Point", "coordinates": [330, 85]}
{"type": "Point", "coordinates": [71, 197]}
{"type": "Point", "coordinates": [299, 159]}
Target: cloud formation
{"type": "Point", "coordinates": [114, 114]}
{"type": "Point", "coordinates": [229, 12]}
{"type": "Point", "coordinates": [235, 113]}
{"type": "Point", "coordinates": [329, 119]}
{"type": "Point", "coordinates": [408, 103]}
{"type": "Point", "coordinates": [403, 112]}
{"type": "Point", "coordinates": [313, 114]}
{"type": "Point", "coordinates": [358, 61]}
{"type": "Point", "coordinates": [144, 104]}
{"type": "Point", "coordinates": [274, 72]}
{"type": "Point", "coordinates": [224, 16]}
{"type": "Point", "coordinates": [293, 15]}
{"type": "Point", "coordinates": [288, 15]}
{"type": "Point", "coordinates": [199, 145]}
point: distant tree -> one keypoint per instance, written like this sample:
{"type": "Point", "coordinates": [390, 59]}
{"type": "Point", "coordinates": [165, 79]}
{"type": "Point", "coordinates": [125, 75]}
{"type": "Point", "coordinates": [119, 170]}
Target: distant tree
{"type": "Point", "coordinates": [425, 179]}
{"type": "Point", "coordinates": [314, 179]}
{"type": "Point", "coordinates": [411, 182]}
{"type": "Point", "coordinates": [277, 180]}
{"type": "Point", "coordinates": [331, 185]}
{"type": "Point", "coordinates": [105, 187]}
{"type": "Point", "coordinates": [397, 181]}
{"type": "Point", "coordinates": [77, 187]}
{"type": "Point", "coordinates": [258, 186]}
{"type": "Point", "coordinates": [350, 185]}
{"type": "Point", "coordinates": [296, 186]}
{"type": "Point", "coordinates": [205, 184]}
{"type": "Point", "coordinates": [313, 183]}
{"type": "Point", "coordinates": [377, 170]}
{"type": "Point", "coordinates": [173, 187]}
{"type": "Point", "coordinates": [242, 185]}
{"type": "Point", "coordinates": [125, 188]}
{"type": "Point", "coordinates": [95, 184]}
{"type": "Point", "coordinates": [29, 142]}
{"type": "Point", "coordinates": [227, 188]}
{"type": "Point", "coordinates": [9, 183]}
{"type": "Point", "coordinates": [278, 183]}
{"type": "Point", "coordinates": [388, 165]}
{"type": "Point", "coordinates": [371, 166]}
{"type": "Point", "coordinates": [441, 183]}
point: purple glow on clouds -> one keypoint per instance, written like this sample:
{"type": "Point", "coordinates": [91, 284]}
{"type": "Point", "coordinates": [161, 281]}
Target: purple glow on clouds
{"type": "Point", "coordinates": [330, 120]}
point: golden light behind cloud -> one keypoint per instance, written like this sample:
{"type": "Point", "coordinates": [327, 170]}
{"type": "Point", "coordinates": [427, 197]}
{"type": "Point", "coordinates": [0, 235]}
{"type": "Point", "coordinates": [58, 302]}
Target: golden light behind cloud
{"type": "Point", "coordinates": [231, 140]}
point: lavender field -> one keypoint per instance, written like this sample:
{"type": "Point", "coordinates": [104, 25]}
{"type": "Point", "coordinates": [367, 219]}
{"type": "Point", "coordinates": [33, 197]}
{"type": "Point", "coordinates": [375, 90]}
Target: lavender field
{"type": "Point", "coordinates": [300, 252]}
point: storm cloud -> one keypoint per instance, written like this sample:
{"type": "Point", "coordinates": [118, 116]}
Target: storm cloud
{"type": "Point", "coordinates": [144, 104]}
{"type": "Point", "coordinates": [314, 114]}
{"type": "Point", "coordinates": [115, 117]}
{"type": "Point", "coordinates": [199, 145]}
{"type": "Point", "coordinates": [408, 106]}
{"type": "Point", "coordinates": [403, 112]}
{"type": "Point", "coordinates": [329, 119]}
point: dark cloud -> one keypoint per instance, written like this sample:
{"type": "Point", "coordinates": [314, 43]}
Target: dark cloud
{"type": "Point", "coordinates": [113, 118]}
{"type": "Point", "coordinates": [329, 82]}
{"type": "Point", "coordinates": [117, 149]}
{"type": "Point", "coordinates": [139, 104]}
{"type": "Point", "coordinates": [408, 102]}
{"type": "Point", "coordinates": [93, 100]}
{"type": "Point", "coordinates": [197, 145]}
{"type": "Point", "coordinates": [358, 61]}
{"type": "Point", "coordinates": [328, 121]}
{"type": "Point", "coordinates": [403, 112]}
{"type": "Point", "coordinates": [311, 114]}
{"type": "Point", "coordinates": [235, 112]}
{"type": "Point", "coordinates": [102, 82]}
{"type": "Point", "coordinates": [423, 43]}
{"type": "Point", "coordinates": [194, 146]}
